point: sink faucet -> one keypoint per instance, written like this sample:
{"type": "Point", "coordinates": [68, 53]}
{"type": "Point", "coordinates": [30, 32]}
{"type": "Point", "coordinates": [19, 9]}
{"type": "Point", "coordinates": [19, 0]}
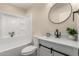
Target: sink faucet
{"type": "Point", "coordinates": [11, 34]}
{"type": "Point", "coordinates": [57, 33]}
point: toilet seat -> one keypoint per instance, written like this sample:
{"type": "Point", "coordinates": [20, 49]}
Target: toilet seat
{"type": "Point", "coordinates": [29, 50]}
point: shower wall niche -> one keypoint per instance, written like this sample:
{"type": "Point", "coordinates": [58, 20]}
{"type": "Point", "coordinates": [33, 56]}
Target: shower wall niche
{"type": "Point", "coordinates": [20, 25]}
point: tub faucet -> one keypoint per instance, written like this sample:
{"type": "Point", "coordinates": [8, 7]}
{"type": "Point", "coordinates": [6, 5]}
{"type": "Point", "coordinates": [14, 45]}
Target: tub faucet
{"type": "Point", "coordinates": [11, 34]}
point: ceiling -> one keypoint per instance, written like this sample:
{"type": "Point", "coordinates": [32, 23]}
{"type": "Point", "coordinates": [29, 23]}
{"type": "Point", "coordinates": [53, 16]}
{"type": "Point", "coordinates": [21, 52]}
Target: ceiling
{"type": "Point", "coordinates": [27, 5]}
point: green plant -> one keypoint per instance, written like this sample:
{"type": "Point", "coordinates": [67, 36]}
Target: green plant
{"type": "Point", "coordinates": [71, 31]}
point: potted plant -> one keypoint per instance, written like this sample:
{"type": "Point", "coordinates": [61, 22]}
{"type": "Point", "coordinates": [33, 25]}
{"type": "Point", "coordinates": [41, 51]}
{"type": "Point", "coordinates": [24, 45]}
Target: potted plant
{"type": "Point", "coordinates": [72, 33]}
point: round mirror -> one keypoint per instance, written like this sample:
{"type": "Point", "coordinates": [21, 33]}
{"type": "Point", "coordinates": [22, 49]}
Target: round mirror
{"type": "Point", "coordinates": [60, 12]}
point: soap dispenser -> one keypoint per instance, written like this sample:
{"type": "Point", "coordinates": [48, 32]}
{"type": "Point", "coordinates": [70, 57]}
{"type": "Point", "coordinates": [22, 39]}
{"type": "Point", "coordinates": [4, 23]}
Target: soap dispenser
{"type": "Point", "coordinates": [48, 34]}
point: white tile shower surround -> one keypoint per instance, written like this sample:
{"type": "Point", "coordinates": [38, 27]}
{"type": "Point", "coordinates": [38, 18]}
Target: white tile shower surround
{"type": "Point", "coordinates": [21, 25]}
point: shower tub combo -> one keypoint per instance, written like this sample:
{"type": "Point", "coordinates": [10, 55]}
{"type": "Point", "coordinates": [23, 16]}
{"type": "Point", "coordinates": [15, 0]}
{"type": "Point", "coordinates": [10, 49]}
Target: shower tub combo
{"type": "Point", "coordinates": [22, 37]}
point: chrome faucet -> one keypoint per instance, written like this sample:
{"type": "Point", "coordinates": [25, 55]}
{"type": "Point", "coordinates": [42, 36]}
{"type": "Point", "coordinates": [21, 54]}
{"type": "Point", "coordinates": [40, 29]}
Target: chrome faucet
{"type": "Point", "coordinates": [11, 34]}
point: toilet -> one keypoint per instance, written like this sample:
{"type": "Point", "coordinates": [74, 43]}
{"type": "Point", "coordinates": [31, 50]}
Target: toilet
{"type": "Point", "coordinates": [30, 49]}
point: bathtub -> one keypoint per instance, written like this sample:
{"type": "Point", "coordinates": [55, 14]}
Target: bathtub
{"type": "Point", "coordinates": [13, 46]}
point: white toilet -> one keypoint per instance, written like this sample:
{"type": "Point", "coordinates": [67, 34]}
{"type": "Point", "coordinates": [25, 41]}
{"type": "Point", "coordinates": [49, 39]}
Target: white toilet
{"type": "Point", "coordinates": [30, 49]}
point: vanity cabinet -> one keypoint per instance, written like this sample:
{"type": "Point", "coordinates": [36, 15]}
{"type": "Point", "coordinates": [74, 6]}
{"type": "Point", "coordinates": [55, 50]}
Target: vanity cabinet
{"type": "Point", "coordinates": [60, 50]}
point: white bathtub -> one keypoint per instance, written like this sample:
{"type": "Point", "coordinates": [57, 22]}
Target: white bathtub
{"type": "Point", "coordinates": [13, 46]}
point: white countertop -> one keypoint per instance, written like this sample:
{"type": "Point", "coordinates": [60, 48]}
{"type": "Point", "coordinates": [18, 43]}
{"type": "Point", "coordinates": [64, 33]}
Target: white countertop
{"type": "Point", "coordinates": [62, 41]}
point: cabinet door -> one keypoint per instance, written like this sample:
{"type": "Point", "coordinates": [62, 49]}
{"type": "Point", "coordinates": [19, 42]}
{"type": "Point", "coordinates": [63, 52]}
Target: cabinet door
{"type": "Point", "coordinates": [44, 52]}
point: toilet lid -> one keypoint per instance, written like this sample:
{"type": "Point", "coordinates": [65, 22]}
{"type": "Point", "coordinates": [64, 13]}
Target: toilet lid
{"type": "Point", "coordinates": [29, 49]}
